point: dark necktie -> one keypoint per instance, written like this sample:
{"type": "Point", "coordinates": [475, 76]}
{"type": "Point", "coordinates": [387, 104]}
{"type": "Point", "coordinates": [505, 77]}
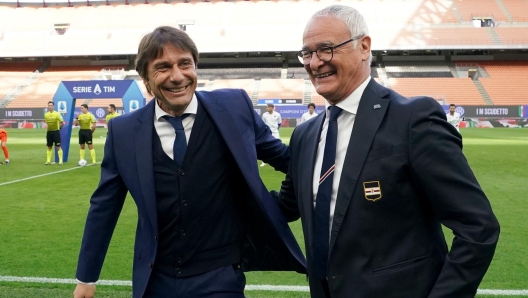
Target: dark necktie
{"type": "Point", "coordinates": [324, 194]}
{"type": "Point", "coordinates": [180, 143]}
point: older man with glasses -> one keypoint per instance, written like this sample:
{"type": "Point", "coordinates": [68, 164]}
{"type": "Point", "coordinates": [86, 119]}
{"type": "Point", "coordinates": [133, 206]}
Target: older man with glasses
{"type": "Point", "coordinates": [375, 177]}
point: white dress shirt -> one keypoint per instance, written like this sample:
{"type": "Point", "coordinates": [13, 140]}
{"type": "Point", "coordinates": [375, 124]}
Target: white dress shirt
{"type": "Point", "coordinates": [166, 131]}
{"type": "Point", "coordinates": [345, 123]}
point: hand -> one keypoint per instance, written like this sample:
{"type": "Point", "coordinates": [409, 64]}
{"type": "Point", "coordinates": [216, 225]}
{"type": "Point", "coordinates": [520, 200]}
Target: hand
{"type": "Point", "coordinates": [84, 291]}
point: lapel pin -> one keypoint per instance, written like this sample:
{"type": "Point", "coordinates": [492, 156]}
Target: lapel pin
{"type": "Point", "coordinates": [377, 106]}
{"type": "Point", "coordinates": [372, 190]}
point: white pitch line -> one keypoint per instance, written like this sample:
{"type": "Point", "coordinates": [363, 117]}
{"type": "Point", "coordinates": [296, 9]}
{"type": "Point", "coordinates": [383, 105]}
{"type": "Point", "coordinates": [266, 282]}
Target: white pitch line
{"type": "Point", "coordinates": [38, 176]}
{"type": "Point", "coordinates": [44, 280]}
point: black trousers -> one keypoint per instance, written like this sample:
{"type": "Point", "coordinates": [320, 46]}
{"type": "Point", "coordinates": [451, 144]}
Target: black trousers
{"type": "Point", "coordinates": [225, 282]}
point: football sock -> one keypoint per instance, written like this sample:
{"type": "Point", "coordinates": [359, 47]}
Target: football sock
{"type": "Point", "coordinates": [48, 156]}
{"type": "Point", "coordinates": [60, 155]}
{"type": "Point", "coordinates": [81, 154]}
{"type": "Point", "coordinates": [6, 153]}
{"type": "Point", "coordinates": [92, 153]}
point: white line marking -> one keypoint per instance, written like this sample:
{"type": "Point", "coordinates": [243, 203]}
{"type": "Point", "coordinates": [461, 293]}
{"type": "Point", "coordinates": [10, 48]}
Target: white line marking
{"type": "Point", "coordinates": [41, 175]}
{"type": "Point", "coordinates": [277, 288]}
{"type": "Point", "coordinates": [248, 287]}
{"type": "Point", "coordinates": [503, 292]}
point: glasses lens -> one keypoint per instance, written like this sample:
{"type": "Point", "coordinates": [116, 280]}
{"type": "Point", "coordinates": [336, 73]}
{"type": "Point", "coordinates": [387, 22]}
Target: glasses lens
{"type": "Point", "coordinates": [304, 57]}
{"type": "Point", "coordinates": [324, 54]}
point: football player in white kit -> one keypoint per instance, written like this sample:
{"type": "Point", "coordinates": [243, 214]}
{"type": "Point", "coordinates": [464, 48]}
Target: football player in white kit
{"type": "Point", "coordinates": [273, 120]}
{"type": "Point", "coordinates": [453, 117]}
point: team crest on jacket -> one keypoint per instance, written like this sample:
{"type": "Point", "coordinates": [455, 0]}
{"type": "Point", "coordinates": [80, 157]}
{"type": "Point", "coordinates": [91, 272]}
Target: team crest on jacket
{"type": "Point", "coordinates": [372, 190]}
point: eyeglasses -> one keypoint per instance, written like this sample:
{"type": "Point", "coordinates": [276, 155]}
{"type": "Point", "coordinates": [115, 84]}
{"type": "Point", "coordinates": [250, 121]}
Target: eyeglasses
{"type": "Point", "coordinates": [324, 53]}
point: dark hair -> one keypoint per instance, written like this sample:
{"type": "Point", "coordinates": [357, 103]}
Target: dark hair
{"type": "Point", "coordinates": [311, 105]}
{"type": "Point", "coordinates": [112, 106]}
{"type": "Point", "coordinates": [84, 105]}
{"type": "Point", "coordinates": [270, 105]}
{"type": "Point", "coordinates": [51, 102]}
{"type": "Point", "coordinates": [151, 47]}
{"type": "Point", "coordinates": [452, 105]}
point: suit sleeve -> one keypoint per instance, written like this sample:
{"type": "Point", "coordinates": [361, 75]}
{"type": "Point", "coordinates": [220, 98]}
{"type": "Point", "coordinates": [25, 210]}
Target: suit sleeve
{"type": "Point", "coordinates": [269, 149]}
{"type": "Point", "coordinates": [287, 198]}
{"type": "Point", "coordinates": [106, 204]}
{"type": "Point", "coordinates": [441, 171]}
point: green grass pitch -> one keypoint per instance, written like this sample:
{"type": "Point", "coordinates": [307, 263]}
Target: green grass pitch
{"type": "Point", "coordinates": [42, 218]}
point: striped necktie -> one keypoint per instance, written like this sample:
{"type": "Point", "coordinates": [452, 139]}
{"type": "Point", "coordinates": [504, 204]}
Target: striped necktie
{"type": "Point", "coordinates": [321, 224]}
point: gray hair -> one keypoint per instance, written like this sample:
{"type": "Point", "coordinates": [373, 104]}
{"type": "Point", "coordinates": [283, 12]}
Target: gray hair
{"type": "Point", "coordinates": [352, 18]}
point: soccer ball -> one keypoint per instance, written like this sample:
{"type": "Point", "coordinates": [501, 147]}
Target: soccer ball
{"type": "Point", "coordinates": [82, 162]}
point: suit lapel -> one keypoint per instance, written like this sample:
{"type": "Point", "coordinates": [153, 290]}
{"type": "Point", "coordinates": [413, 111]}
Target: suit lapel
{"type": "Point", "coordinates": [309, 145]}
{"type": "Point", "coordinates": [231, 134]}
{"type": "Point", "coordinates": [366, 124]}
{"type": "Point", "coordinates": [145, 165]}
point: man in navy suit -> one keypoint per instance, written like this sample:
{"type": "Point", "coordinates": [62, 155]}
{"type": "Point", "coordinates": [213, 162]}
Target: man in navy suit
{"type": "Point", "coordinates": [376, 176]}
{"type": "Point", "coordinates": [189, 160]}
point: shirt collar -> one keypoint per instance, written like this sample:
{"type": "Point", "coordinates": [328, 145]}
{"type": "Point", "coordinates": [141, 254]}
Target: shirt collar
{"type": "Point", "coordinates": [351, 103]}
{"type": "Point", "coordinates": [192, 108]}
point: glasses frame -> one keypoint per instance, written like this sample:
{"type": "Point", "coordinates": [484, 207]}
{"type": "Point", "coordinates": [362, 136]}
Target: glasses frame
{"type": "Point", "coordinates": [300, 54]}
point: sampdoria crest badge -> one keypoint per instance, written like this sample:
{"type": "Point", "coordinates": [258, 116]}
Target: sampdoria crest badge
{"type": "Point", "coordinates": [372, 190]}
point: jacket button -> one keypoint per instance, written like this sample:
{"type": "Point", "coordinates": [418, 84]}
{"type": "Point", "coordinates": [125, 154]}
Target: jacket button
{"type": "Point", "coordinates": [183, 232]}
{"type": "Point", "coordinates": [150, 265]}
{"type": "Point", "coordinates": [178, 271]}
{"type": "Point", "coordinates": [184, 203]}
{"type": "Point", "coordinates": [182, 172]}
{"type": "Point", "coordinates": [155, 238]}
{"type": "Point", "coordinates": [179, 260]}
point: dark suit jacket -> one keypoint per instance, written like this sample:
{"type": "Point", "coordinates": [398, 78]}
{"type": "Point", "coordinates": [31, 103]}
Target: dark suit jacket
{"type": "Point", "coordinates": [391, 244]}
{"type": "Point", "coordinates": [128, 167]}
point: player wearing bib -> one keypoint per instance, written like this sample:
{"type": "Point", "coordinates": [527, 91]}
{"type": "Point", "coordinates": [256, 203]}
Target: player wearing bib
{"type": "Point", "coordinates": [3, 141]}
{"type": "Point", "coordinates": [55, 123]}
{"type": "Point", "coordinates": [87, 123]}
{"type": "Point", "coordinates": [453, 117]}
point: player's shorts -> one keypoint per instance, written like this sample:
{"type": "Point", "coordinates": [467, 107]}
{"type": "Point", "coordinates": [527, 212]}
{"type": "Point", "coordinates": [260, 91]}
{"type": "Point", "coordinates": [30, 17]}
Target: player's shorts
{"type": "Point", "coordinates": [85, 136]}
{"type": "Point", "coordinates": [3, 137]}
{"type": "Point", "coordinates": [53, 137]}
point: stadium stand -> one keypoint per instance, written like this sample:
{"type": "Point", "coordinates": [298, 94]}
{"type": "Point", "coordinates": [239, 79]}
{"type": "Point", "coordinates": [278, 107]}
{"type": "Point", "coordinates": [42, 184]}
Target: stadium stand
{"type": "Point", "coordinates": [507, 82]}
{"type": "Point", "coordinates": [223, 29]}
{"type": "Point", "coordinates": [512, 35]}
{"type": "Point", "coordinates": [297, 73]}
{"type": "Point", "coordinates": [417, 70]}
{"type": "Point", "coordinates": [485, 8]}
{"type": "Point", "coordinates": [281, 88]}
{"type": "Point", "coordinates": [518, 9]}
{"type": "Point", "coordinates": [460, 91]}
{"type": "Point", "coordinates": [239, 73]}
{"type": "Point", "coordinates": [246, 84]}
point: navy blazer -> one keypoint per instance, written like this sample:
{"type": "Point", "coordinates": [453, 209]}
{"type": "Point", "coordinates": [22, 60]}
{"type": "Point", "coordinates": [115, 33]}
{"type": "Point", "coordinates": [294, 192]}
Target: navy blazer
{"type": "Point", "coordinates": [390, 243]}
{"type": "Point", "coordinates": [128, 167]}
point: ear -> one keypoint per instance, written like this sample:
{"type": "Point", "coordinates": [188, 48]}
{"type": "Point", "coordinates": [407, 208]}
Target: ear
{"type": "Point", "coordinates": [364, 47]}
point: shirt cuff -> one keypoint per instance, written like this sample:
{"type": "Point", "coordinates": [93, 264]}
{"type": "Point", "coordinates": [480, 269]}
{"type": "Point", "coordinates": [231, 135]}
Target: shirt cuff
{"type": "Point", "coordinates": [86, 283]}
